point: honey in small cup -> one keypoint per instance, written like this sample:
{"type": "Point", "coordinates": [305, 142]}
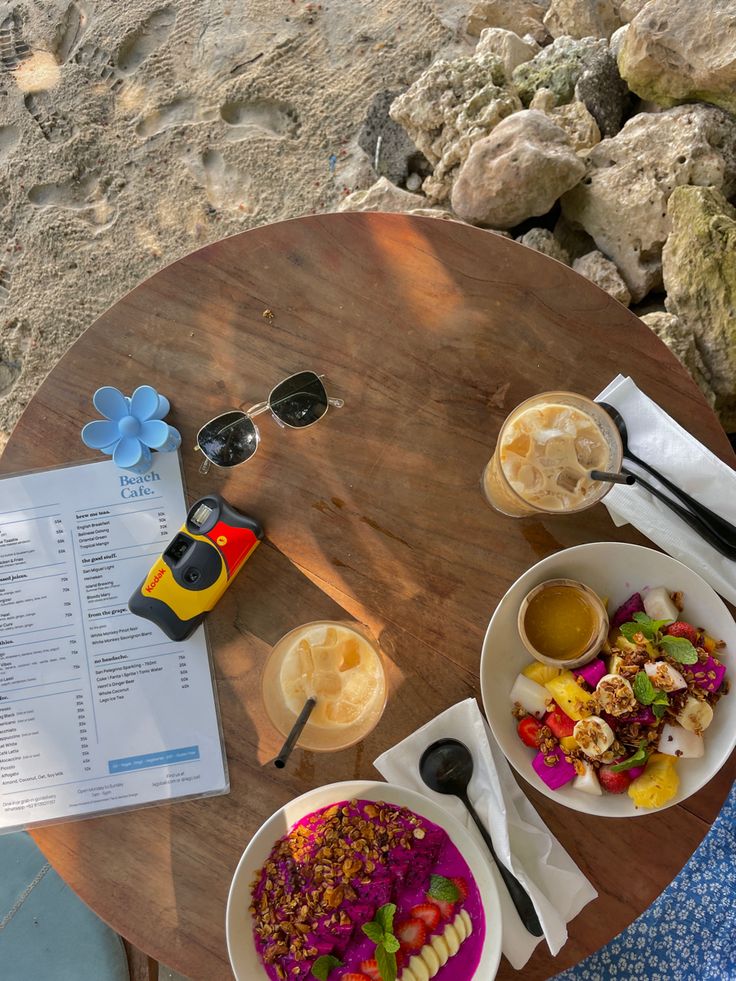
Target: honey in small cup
{"type": "Point", "coordinates": [563, 623]}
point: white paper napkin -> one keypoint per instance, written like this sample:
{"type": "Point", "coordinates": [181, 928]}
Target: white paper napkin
{"type": "Point", "coordinates": [555, 883]}
{"type": "Point", "coordinates": [655, 437]}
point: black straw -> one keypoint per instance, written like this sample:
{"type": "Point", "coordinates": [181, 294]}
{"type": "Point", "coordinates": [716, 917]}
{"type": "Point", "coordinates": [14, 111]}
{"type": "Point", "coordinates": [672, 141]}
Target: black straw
{"type": "Point", "coordinates": [296, 731]}
{"type": "Point", "coordinates": [613, 478]}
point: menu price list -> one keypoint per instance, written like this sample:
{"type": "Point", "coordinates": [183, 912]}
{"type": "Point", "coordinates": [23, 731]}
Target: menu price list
{"type": "Point", "coordinates": [98, 709]}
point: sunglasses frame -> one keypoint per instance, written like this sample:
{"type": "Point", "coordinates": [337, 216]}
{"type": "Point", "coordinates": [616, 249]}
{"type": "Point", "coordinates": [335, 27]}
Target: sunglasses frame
{"type": "Point", "coordinates": [258, 409]}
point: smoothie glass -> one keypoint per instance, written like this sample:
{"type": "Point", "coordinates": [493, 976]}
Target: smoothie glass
{"type": "Point", "coordinates": [544, 454]}
{"type": "Point", "coordinates": [339, 664]}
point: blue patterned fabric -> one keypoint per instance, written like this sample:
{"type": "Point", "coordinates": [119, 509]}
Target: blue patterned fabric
{"type": "Point", "coordinates": [689, 933]}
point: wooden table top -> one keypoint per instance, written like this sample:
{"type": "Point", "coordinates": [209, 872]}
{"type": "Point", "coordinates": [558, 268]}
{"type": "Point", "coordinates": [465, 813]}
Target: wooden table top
{"type": "Point", "coordinates": [431, 331]}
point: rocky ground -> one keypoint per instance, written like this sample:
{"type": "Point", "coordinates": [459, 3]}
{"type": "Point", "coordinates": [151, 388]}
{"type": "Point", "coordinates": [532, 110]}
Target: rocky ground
{"type": "Point", "coordinates": [134, 132]}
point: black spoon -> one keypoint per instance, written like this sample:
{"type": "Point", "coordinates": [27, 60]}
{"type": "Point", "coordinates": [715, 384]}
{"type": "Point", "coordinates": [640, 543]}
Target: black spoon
{"type": "Point", "coordinates": [718, 525]}
{"type": "Point", "coordinates": [446, 767]}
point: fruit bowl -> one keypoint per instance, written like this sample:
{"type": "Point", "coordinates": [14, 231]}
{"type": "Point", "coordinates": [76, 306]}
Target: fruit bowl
{"type": "Point", "coordinates": [614, 570]}
{"type": "Point", "coordinates": [241, 946]}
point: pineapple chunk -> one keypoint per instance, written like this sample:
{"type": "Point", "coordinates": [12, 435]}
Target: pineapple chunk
{"type": "Point", "coordinates": [614, 665]}
{"type": "Point", "coordinates": [657, 784]}
{"type": "Point", "coordinates": [568, 743]}
{"type": "Point", "coordinates": [541, 673]}
{"type": "Point", "coordinates": [625, 645]}
{"type": "Point", "coordinates": [572, 699]}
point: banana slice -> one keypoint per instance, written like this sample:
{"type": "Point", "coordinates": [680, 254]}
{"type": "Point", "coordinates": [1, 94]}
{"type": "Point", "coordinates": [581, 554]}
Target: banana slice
{"type": "Point", "coordinates": [615, 695]}
{"type": "Point", "coordinates": [434, 955]}
{"type": "Point", "coordinates": [695, 715]}
{"type": "Point", "coordinates": [593, 735]}
{"type": "Point", "coordinates": [418, 968]}
{"type": "Point", "coordinates": [440, 948]}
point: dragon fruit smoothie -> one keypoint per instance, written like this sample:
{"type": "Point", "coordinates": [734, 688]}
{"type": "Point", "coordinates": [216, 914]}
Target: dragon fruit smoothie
{"type": "Point", "coordinates": [401, 875]}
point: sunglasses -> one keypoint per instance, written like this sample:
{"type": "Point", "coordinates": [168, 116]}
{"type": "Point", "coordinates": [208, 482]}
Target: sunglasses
{"type": "Point", "coordinates": [232, 438]}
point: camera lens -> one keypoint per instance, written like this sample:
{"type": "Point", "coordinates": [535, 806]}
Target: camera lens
{"type": "Point", "coordinates": [191, 575]}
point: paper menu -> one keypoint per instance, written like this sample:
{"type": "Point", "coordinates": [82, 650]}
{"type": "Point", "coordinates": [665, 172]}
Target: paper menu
{"type": "Point", "coordinates": [99, 710]}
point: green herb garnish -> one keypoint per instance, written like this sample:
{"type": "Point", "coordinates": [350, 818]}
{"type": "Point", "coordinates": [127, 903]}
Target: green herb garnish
{"type": "Point", "coordinates": [381, 931]}
{"type": "Point", "coordinates": [643, 625]}
{"type": "Point", "coordinates": [679, 649]}
{"type": "Point", "coordinates": [323, 965]}
{"type": "Point", "coordinates": [637, 759]}
{"type": "Point", "coordinates": [443, 889]}
{"type": "Point", "coordinates": [646, 694]}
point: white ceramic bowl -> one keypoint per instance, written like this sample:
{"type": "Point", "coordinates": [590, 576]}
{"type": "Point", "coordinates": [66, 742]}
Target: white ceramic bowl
{"type": "Point", "coordinates": [615, 570]}
{"type": "Point", "coordinates": [239, 924]}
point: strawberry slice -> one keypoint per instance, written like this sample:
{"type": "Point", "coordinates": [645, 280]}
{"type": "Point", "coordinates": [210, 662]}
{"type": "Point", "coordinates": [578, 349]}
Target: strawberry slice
{"type": "Point", "coordinates": [461, 886]}
{"type": "Point", "coordinates": [411, 934]}
{"type": "Point", "coordinates": [614, 783]}
{"type": "Point", "coordinates": [354, 976]}
{"type": "Point", "coordinates": [370, 969]}
{"type": "Point", "coordinates": [427, 913]}
{"type": "Point", "coordinates": [681, 629]}
{"type": "Point", "coordinates": [446, 908]}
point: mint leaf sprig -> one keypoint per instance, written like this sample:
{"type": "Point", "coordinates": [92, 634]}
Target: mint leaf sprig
{"type": "Point", "coordinates": [646, 694]}
{"type": "Point", "coordinates": [323, 965]}
{"type": "Point", "coordinates": [637, 759]}
{"type": "Point", "coordinates": [381, 931]}
{"type": "Point", "coordinates": [678, 648]}
{"type": "Point", "coordinates": [443, 889]}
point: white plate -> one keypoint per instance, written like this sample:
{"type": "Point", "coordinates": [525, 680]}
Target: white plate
{"type": "Point", "coordinates": [239, 924]}
{"type": "Point", "coordinates": [615, 570]}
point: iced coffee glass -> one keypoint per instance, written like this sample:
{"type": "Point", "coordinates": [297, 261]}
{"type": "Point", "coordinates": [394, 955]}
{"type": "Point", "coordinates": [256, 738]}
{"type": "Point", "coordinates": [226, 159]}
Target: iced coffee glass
{"type": "Point", "coordinates": [545, 452]}
{"type": "Point", "coordinates": [337, 663]}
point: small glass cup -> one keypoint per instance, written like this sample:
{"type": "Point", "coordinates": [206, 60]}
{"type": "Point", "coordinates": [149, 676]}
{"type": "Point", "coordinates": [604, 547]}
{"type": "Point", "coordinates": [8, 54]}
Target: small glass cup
{"type": "Point", "coordinates": [544, 453]}
{"type": "Point", "coordinates": [340, 664]}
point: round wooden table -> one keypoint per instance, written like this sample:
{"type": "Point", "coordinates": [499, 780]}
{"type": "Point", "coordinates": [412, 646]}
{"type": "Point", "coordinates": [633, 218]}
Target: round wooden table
{"type": "Point", "coordinates": [431, 331]}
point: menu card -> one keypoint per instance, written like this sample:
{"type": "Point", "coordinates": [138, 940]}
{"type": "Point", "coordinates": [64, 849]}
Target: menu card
{"type": "Point", "coordinates": [99, 710]}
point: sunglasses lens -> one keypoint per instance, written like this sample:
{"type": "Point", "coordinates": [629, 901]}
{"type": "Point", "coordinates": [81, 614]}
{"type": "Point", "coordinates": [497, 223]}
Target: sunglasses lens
{"type": "Point", "coordinates": [229, 439]}
{"type": "Point", "coordinates": [300, 400]}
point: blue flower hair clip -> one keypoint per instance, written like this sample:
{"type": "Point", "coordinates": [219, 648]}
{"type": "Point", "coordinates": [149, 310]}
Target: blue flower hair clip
{"type": "Point", "coordinates": [132, 427]}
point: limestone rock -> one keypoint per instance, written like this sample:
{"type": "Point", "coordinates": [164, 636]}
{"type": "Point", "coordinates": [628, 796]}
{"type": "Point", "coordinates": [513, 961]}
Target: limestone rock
{"type": "Point", "coordinates": [628, 9]}
{"type": "Point", "coordinates": [617, 39]}
{"type": "Point", "coordinates": [622, 203]}
{"type": "Point", "coordinates": [519, 171]}
{"type": "Point", "coordinates": [574, 118]}
{"type": "Point", "coordinates": [601, 271]}
{"type": "Point", "coordinates": [382, 196]}
{"type": "Point", "coordinates": [581, 18]}
{"type": "Point", "coordinates": [520, 16]}
{"type": "Point", "coordinates": [681, 342]}
{"type": "Point", "coordinates": [451, 106]}
{"type": "Point", "coordinates": [575, 241]}
{"type": "Point", "coordinates": [506, 46]}
{"type": "Point", "coordinates": [699, 268]}
{"type": "Point", "coordinates": [676, 52]}
{"type": "Point", "coordinates": [542, 240]}
{"type": "Point", "coordinates": [577, 69]}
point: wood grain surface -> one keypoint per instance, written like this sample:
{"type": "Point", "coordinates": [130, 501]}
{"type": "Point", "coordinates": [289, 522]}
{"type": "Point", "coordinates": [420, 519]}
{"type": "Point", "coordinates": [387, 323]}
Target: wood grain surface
{"type": "Point", "coordinates": [431, 331]}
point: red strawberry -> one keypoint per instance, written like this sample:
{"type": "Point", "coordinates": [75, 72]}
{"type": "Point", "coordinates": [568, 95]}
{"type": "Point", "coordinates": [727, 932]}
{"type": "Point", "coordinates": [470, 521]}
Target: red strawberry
{"type": "Point", "coordinates": [681, 629]}
{"type": "Point", "coordinates": [529, 730]}
{"type": "Point", "coordinates": [614, 783]}
{"type": "Point", "coordinates": [461, 886]}
{"type": "Point", "coordinates": [370, 969]}
{"type": "Point", "coordinates": [352, 976]}
{"type": "Point", "coordinates": [446, 909]}
{"type": "Point", "coordinates": [411, 934]}
{"type": "Point", "coordinates": [427, 913]}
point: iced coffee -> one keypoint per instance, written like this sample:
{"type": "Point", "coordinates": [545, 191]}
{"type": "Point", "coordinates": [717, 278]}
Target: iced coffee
{"type": "Point", "coordinates": [338, 664]}
{"type": "Point", "coordinates": [545, 453]}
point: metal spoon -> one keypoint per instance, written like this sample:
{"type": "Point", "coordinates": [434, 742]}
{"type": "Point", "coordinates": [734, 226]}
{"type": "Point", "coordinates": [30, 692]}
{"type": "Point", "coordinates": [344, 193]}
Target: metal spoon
{"type": "Point", "coordinates": [446, 767]}
{"type": "Point", "coordinates": [718, 525]}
